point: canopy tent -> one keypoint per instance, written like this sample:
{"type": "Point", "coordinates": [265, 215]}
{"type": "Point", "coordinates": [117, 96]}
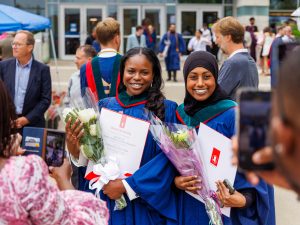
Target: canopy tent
{"type": "Point", "coordinates": [13, 19]}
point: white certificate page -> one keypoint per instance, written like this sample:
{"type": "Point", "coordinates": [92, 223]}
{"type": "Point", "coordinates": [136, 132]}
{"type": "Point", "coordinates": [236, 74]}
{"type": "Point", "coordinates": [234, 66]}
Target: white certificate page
{"type": "Point", "coordinates": [124, 137]}
{"type": "Point", "coordinates": [216, 152]}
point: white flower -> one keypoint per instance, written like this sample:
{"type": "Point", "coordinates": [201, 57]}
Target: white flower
{"type": "Point", "coordinates": [93, 129]}
{"type": "Point", "coordinates": [86, 115]}
{"type": "Point", "coordinates": [92, 113]}
{"type": "Point", "coordinates": [66, 111]}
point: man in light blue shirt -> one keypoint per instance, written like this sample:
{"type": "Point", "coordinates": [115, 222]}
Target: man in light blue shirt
{"type": "Point", "coordinates": [21, 82]}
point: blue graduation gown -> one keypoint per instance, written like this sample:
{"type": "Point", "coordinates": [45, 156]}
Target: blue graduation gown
{"type": "Point", "coordinates": [152, 182]}
{"type": "Point", "coordinates": [172, 59]}
{"type": "Point", "coordinates": [262, 212]}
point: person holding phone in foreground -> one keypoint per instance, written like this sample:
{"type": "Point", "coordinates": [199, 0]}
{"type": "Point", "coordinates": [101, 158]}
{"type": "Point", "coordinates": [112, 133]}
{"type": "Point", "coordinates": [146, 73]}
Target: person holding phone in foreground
{"type": "Point", "coordinates": [285, 127]}
{"type": "Point", "coordinates": [28, 196]}
{"type": "Point", "coordinates": [206, 102]}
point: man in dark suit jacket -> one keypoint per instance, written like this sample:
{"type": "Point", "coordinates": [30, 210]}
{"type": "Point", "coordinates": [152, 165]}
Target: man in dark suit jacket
{"type": "Point", "coordinates": [28, 82]}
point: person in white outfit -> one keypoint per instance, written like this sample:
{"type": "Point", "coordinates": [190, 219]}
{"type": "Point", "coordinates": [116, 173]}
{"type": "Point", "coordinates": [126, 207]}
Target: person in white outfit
{"type": "Point", "coordinates": [198, 43]}
{"type": "Point", "coordinates": [268, 39]}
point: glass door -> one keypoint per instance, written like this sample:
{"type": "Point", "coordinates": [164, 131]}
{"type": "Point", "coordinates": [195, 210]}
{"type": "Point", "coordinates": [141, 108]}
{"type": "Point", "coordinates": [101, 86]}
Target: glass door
{"type": "Point", "coordinates": [209, 17]}
{"type": "Point", "coordinates": [93, 16]}
{"type": "Point", "coordinates": [71, 31]}
{"type": "Point", "coordinates": [191, 17]}
{"type": "Point", "coordinates": [76, 25]}
{"type": "Point", "coordinates": [130, 17]}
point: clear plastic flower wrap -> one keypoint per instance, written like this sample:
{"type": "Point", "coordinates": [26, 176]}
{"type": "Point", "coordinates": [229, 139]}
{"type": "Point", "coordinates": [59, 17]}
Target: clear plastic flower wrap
{"type": "Point", "coordinates": [179, 143]}
{"type": "Point", "coordinates": [86, 110]}
{"type": "Point", "coordinates": [91, 143]}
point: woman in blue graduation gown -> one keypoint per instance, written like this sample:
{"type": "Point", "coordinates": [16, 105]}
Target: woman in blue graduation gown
{"type": "Point", "coordinates": [153, 201]}
{"type": "Point", "coordinates": [206, 102]}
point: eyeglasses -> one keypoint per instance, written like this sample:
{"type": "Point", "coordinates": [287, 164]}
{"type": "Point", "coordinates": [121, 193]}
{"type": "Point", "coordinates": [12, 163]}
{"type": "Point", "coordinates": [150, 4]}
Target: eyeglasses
{"type": "Point", "coordinates": [17, 45]}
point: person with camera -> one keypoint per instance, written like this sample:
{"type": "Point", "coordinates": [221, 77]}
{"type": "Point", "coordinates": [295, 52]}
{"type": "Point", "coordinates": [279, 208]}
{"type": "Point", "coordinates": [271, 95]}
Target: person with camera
{"type": "Point", "coordinates": [285, 126]}
{"type": "Point", "coordinates": [206, 102]}
{"type": "Point", "coordinates": [28, 195]}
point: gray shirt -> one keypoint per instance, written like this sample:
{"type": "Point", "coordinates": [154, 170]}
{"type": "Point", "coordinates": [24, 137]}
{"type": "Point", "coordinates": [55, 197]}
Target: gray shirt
{"type": "Point", "coordinates": [238, 71]}
{"type": "Point", "coordinates": [73, 89]}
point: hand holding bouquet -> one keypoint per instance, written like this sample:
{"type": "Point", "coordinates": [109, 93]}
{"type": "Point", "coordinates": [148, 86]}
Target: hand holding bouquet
{"type": "Point", "coordinates": [179, 143]}
{"type": "Point", "coordinates": [91, 143]}
{"type": "Point", "coordinates": [100, 170]}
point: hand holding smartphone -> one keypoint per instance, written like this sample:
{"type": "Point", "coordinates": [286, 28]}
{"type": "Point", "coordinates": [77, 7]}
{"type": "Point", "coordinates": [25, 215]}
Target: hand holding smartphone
{"type": "Point", "coordinates": [253, 119]}
{"type": "Point", "coordinates": [55, 148]}
{"type": "Point", "coordinates": [46, 143]}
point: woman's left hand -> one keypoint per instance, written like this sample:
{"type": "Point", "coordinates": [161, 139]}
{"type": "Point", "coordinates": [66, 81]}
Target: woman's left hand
{"type": "Point", "coordinates": [114, 189]}
{"type": "Point", "coordinates": [236, 200]}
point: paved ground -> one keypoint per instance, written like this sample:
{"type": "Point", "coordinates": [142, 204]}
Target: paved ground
{"type": "Point", "coordinates": [287, 206]}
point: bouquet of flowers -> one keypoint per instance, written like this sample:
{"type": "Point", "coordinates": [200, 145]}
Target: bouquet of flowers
{"type": "Point", "coordinates": [179, 142]}
{"type": "Point", "coordinates": [85, 109]}
{"type": "Point", "coordinates": [91, 144]}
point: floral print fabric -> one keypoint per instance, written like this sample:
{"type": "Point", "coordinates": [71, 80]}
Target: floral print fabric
{"type": "Point", "coordinates": [28, 196]}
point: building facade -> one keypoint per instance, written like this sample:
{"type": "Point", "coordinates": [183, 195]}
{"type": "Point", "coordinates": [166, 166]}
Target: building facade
{"type": "Point", "coordinates": [73, 20]}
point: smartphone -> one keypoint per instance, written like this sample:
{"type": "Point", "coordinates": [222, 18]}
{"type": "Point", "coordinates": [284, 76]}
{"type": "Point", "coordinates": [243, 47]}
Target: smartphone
{"type": "Point", "coordinates": [253, 120]}
{"type": "Point", "coordinates": [229, 186]}
{"type": "Point", "coordinates": [55, 148]}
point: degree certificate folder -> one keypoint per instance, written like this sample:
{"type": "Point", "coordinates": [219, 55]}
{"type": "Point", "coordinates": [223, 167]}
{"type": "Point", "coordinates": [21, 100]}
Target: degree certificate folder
{"type": "Point", "coordinates": [216, 152]}
{"type": "Point", "coordinates": [124, 138]}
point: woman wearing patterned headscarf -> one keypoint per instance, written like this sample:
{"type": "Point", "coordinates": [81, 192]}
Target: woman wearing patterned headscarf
{"type": "Point", "coordinates": [205, 102]}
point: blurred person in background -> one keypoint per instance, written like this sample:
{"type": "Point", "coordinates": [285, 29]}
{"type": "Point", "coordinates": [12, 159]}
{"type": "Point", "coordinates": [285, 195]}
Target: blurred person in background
{"type": "Point", "coordinates": [150, 37]}
{"type": "Point", "coordinates": [84, 53]}
{"type": "Point", "coordinates": [274, 55]}
{"type": "Point", "coordinates": [207, 34]}
{"type": "Point", "coordinates": [28, 195]}
{"type": "Point", "coordinates": [239, 69]}
{"type": "Point", "coordinates": [137, 39]}
{"type": "Point", "coordinates": [28, 82]}
{"type": "Point", "coordinates": [198, 42]}
{"type": "Point", "coordinates": [172, 46]}
{"type": "Point", "coordinates": [252, 28]}
{"type": "Point", "coordinates": [247, 40]}
{"type": "Point", "coordinates": [288, 36]}
{"type": "Point", "coordinates": [268, 39]}
{"type": "Point", "coordinates": [5, 46]}
{"type": "Point", "coordinates": [89, 40]}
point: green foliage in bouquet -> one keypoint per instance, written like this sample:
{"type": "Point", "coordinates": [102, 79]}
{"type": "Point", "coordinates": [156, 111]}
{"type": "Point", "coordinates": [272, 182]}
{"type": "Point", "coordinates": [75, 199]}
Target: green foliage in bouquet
{"type": "Point", "coordinates": [91, 144]}
{"type": "Point", "coordinates": [180, 138]}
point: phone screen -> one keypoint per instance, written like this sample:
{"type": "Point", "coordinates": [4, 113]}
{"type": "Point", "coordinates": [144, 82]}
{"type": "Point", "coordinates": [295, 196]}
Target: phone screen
{"type": "Point", "coordinates": [254, 120]}
{"type": "Point", "coordinates": [55, 148]}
